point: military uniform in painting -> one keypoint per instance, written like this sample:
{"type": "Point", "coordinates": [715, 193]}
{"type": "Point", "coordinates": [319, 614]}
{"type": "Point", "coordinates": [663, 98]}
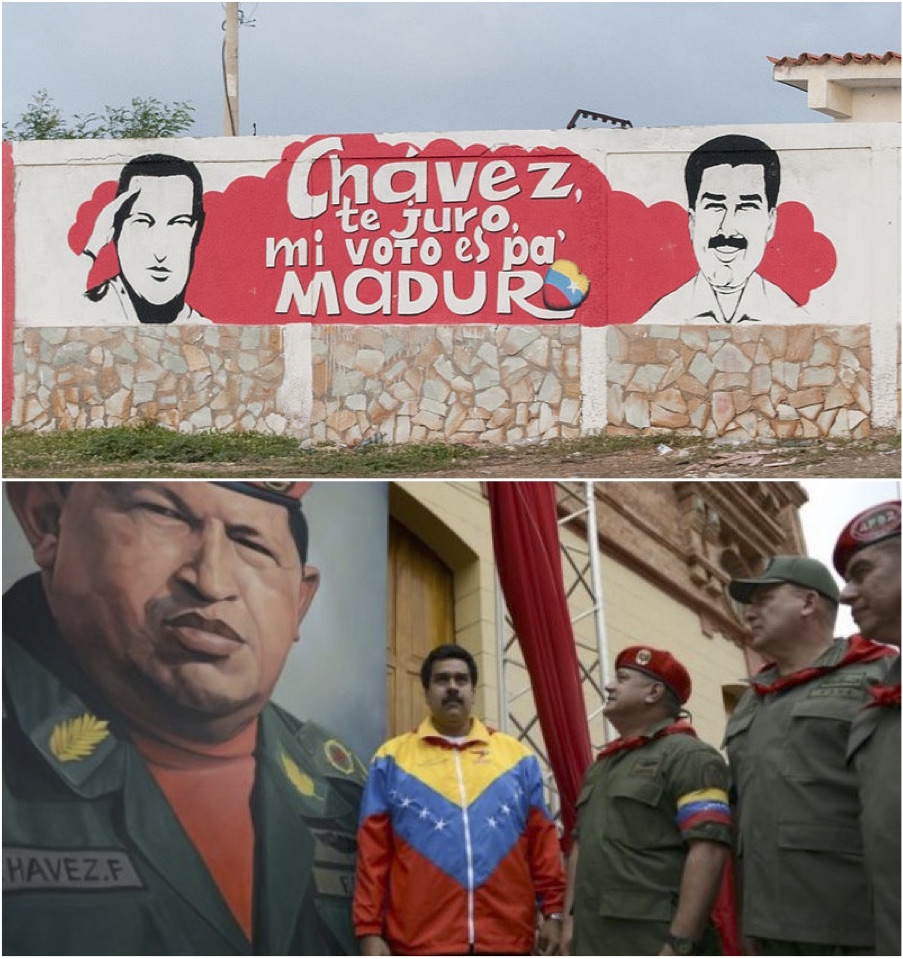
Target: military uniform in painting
{"type": "Point", "coordinates": [95, 860]}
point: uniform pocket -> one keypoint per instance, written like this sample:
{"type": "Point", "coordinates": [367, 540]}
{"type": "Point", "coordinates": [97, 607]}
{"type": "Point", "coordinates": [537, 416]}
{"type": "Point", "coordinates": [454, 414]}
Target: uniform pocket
{"type": "Point", "coordinates": [819, 837]}
{"type": "Point", "coordinates": [645, 791]}
{"type": "Point", "coordinates": [635, 817]}
{"type": "Point", "coordinates": [636, 904]}
{"type": "Point", "coordinates": [841, 708]}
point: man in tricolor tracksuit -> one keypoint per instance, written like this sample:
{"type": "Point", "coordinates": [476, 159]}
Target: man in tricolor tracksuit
{"type": "Point", "coordinates": [457, 853]}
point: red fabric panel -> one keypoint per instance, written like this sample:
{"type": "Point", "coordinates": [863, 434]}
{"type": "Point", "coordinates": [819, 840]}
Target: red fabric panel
{"type": "Point", "coordinates": [375, 844]}
{"type": "Point", "coordinates": [525, 541]}
{"type": "Point", "coordinates": [724, 913]}
{"type": "Point", "coordinates": [9, 277]}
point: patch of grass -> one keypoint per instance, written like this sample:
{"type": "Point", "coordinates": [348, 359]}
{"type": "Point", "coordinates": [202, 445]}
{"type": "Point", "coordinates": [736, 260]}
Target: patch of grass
{"type": "Point", "coordinates": [145, 443]}
{"type": "Point", "coordinates": [153, 450]}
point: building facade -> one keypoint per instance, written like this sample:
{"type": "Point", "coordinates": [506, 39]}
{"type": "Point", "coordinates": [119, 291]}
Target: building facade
{"type": "Point", "coordinates": [666, 552]}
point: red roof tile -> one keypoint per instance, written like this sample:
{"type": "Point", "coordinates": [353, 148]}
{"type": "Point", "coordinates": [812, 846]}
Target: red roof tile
{"type": "Point", "coordinates": [805, 58]}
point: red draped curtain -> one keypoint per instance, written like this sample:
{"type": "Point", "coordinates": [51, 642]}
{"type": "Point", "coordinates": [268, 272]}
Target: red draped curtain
{"type": "Point", "coordinates": [528, 559]}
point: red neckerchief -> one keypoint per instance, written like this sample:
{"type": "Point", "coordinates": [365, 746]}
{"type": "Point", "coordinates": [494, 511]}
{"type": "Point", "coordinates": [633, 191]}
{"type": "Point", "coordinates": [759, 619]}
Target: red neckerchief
{"type": "Point", "coordinates": [620, 745]}
{"type": "Point", "coordinates": [884, 697]}
{"type": "Point", "coordinates": [859, 650]}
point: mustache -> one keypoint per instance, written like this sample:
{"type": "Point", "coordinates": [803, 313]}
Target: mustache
{"type": "Point", "coordinates": [193, 620]}
{"type": "Point", "coordinates": [737, 242]}
{"type": "Point", "coordinates": [452, 698]}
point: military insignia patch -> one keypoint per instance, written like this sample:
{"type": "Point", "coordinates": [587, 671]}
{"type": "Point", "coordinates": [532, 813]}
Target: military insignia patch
{"type": "Point", "coordinates": [297, 777]}
{"type": "Point", "coordinates": [644, 657]}
{"type": "Point", "coordinates": [339, 756]}
{"type": "Point", "coordinates": [877, 523]}
{"type": "Point", "coordinates": [75, 739]}
{"type": "Point", "coordinates": [277, 486]}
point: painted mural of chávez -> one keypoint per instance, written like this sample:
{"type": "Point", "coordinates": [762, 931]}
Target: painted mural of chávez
{"type": "Point", "coordinates": [155, 800]}
{"type": "Point", "coordinates": [732, 193]}
{"type": "Point", "coordinates": [154, 223]}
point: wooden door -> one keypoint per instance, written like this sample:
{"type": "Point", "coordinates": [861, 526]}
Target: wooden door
{"type": "Point", "coordinates": [421, 616]}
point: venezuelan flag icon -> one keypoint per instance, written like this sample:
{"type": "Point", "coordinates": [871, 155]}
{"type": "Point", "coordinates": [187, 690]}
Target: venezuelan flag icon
{"type": "Point", "coordinates": [564, 287]}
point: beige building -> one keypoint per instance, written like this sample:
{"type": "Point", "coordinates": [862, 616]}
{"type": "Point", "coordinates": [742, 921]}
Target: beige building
{"type": "Point", "coordinates": [665, 553]}
{"type": "Point", "coordinates": [850, 87]}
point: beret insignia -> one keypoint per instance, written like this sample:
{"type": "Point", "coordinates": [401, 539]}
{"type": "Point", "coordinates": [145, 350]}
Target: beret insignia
{"type": "Point", "coordinates": [877, 523]}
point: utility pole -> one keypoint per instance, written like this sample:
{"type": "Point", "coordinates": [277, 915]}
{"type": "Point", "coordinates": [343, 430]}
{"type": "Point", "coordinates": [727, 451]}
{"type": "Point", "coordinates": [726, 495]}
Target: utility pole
{"type": "Point", "coordinates": [230, 71]}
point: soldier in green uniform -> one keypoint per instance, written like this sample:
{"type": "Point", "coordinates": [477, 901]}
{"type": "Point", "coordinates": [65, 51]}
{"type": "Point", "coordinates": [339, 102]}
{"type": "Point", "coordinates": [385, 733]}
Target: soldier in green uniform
{"type": "Point", "coordinates": [799, 850]}
{"type": "Point", "coordinates": [653, 827]}
{"type": "Point", "coordinates": [867, 555]}
{"type": "Point", "coordinates": [154, 800]}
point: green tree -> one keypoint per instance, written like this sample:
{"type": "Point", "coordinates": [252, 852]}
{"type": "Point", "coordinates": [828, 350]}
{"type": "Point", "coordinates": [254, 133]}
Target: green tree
{"type": "Point", "coordinates": [144, 117]}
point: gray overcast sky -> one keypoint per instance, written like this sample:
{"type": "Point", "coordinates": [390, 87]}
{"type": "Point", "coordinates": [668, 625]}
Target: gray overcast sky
{"type": "Point", "coordinates": [404, 67]}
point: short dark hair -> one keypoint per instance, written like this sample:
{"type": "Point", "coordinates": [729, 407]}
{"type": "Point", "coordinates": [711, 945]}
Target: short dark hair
{"type": "Point", "coordinates": [441, 653]}
{"type": "Point", "coordinates": [733, 150]}
{"type": "Point", "coordinates": [160, 165]}
{"type": "Point", "coordinates": [671, 703]}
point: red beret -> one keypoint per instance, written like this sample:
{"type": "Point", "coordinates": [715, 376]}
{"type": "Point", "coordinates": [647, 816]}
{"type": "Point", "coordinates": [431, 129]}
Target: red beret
{"type": "Point", "coordinates": [660, 665]}
{"type": "Point", "coordinates": [283, 492]}
{"type": "Point", "coordinates": [866, 528]}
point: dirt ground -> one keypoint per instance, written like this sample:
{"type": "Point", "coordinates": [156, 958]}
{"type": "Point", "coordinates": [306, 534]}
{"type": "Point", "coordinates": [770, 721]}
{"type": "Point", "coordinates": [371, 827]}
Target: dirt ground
{"type": "Point", "coordinates": [873, 458]}
{"type": "Point", "coordinates": [877, 457]}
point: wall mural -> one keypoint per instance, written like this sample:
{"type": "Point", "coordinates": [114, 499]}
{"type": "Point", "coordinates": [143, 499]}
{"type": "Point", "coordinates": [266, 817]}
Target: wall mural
{"type": "Point", "coordinates": [349, 229]}
{"type": "Point", "coordinates": [732, 196]}
{"type": "Point", "coordinates": [143, 241]}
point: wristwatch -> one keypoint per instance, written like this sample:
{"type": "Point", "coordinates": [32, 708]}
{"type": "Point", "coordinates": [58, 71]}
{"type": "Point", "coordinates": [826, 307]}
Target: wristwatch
{"type": "Point", "coordinates": [682, 946]}
{"type": "Point", "coordinates": [555, 917]}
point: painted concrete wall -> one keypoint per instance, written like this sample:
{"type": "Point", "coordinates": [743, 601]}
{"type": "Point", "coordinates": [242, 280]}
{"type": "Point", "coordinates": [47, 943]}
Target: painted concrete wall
{"type": "Point", "coordinates": [459, 287]}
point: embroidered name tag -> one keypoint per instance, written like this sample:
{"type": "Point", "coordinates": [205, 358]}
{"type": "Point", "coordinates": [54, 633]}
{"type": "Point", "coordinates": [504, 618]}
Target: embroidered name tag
{"type": "Point", "coordinates": [850, 692]}
{"type": "Point", "coordinates": [647, 768]}
{"type": "Point", "coordinates": [71, 869]}
{"type": "Point", "coordinates": [849, 685]}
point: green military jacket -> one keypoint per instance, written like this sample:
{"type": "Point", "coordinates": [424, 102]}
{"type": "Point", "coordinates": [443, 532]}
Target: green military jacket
{"type": "Point", "coordinates": [632, 851]}
{"type": "Point", "coordinates": [799, 849]}
{"type": "Point", "coordinates": [95, 861]}
{"type": "Point", "coordinates": [874, 752]}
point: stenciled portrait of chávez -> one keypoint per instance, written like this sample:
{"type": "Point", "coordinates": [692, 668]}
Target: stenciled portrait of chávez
{"type": "Point", "coordinates": [154, 224]}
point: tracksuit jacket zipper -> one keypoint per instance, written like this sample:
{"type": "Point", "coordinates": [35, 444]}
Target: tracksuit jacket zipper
{"type": "Point", "coordinates": [468, 851]}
